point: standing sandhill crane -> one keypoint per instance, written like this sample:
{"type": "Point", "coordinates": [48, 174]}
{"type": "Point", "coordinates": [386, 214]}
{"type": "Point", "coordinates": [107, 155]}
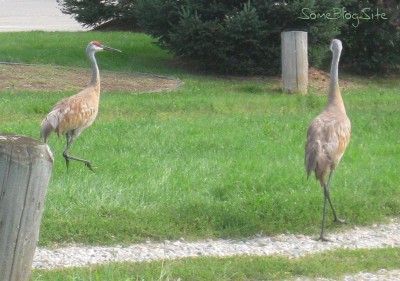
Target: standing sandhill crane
{"type": "Point", "coordinates": [328, 136]}
{"type": "Point", "coordinates": [72, 115]}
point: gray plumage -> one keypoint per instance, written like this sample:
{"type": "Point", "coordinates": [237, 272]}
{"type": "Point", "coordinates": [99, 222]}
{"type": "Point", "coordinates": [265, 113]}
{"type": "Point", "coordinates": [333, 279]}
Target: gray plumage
{"type": "Point", "coordinates": [328, 136]}
{"type": "Point", "coordinates": [74, 114]}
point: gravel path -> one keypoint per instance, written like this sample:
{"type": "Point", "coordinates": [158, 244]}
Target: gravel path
{"type": "Point", "coordinates": [293, 246]}
{"type": "Point", "coordinates": [381, 275]}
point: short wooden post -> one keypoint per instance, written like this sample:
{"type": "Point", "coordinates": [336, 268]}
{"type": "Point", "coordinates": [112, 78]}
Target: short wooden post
{"type": "Point", "coordinates": [25, 170]}
{"type": "Point", "coordinates": [294, 62]}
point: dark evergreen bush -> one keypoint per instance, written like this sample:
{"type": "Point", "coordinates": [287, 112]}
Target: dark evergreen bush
{"type": "Point", "coordinates": [239, 45]}
{"type": "Point", "coordinates": [243, 37]}
{"type": "Point", "coordinates": [372, 44]}
{"type": "Point", "coordinates": [92, 13]}
{"type": "Point", "coordinates": [235, 37]}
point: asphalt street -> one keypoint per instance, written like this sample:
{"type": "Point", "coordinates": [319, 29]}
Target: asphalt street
{"type": "Point", "coordinates": [28, 15]}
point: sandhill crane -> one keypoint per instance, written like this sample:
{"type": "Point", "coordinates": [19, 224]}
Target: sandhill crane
{"type": "Point", "coordinates": [72, 115]}
{"type": "Point", "coordinates": [328, 136]}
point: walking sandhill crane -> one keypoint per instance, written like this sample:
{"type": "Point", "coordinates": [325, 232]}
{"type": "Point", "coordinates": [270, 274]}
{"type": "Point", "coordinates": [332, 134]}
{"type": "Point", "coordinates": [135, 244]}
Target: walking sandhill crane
{"type": "Point", "coordinates": [72, 115]}
{"type": "Point", "coordinates": [328, 136]}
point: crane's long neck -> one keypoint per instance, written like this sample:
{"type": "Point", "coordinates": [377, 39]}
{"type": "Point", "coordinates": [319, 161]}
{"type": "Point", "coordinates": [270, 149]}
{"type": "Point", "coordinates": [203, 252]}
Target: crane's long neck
{"type": "Point", "coordinates": [335, 98]}
{"type": "Point", "coordinates": [95, 81]}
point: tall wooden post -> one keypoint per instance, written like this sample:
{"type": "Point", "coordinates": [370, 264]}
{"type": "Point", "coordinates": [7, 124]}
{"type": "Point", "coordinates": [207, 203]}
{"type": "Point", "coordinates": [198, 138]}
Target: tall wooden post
{"type": "Point", "coordinates": [25, 170]}
{"type": "Point", "coordinates": [294, 62]}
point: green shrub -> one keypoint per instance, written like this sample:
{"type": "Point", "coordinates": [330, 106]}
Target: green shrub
{"type": "Point", "coordinates": [234, 37]}
{"type": "Point", "coordinates": [372, 45]}
{"type": "Point", "coordinates": [92, 13]}
{"type": "Point", "coordinates": [243, 37]}
{"type": "Point", "coordinates": [238, 46]}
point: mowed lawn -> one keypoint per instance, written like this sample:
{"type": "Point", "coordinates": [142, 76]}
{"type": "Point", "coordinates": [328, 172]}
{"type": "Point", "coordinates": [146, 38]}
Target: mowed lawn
{"type": "Point", "coordinates": [218, 157]}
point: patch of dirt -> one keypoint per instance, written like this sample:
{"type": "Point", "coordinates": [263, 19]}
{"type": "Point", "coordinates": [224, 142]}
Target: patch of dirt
{"type": "Point", "coordinates": [53, 78]}
{"type": "Point", "coordinates": [318, 81]}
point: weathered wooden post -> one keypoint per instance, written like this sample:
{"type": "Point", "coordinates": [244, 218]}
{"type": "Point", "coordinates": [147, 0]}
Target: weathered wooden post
{"type": "Point", "coordinates": [294, 62]}
{"type": "Point", "coordinates": [25, 169]}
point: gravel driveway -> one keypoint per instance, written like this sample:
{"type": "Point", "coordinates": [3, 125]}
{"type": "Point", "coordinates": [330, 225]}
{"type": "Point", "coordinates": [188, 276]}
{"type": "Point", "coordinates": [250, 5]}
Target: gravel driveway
{"type": "Point", "coordinates": [292, 246]}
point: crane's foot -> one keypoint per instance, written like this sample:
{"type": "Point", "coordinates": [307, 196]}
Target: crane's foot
{"type": "Point", "coordinates": [88, 164]}
{"type": "Point", "coordinates": [340, 220]}
{"type": "Point", "coordinates": [323, 239]}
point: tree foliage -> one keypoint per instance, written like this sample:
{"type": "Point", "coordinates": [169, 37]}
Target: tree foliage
{"type": "Point", "coordinates": [235, 37]}
{"type": "Point", "coordinates": [92, 13]}
{"type": "Point", "coordinates": [373, 42]}
{"type": "Point", "coordinates": [243, 36]}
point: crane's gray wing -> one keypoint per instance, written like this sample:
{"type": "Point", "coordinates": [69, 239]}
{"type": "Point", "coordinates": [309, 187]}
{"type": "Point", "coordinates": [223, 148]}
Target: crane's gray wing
{"type": "Point", "coordinates": [73, 114]}
{"type": "Point", "coordinates": [51, 122]}
{"type": "Point", "coordinates": [327, 139]}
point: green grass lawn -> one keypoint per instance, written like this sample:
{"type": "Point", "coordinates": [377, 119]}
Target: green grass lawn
{"type": "Point", "coordinates": [218, 157]}
{"type": "Point", "coordinates": [333, 264]}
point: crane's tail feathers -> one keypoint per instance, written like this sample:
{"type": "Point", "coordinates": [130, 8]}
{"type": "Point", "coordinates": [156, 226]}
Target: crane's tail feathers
{"type": "Point", "coordinates": [50, 124]}
{"type": "Point", "coordinates": [46, 130]}
{"type": "Point", "coordinates": [311, 155]}
{"type": "Point", "coordinates": [316, 161]}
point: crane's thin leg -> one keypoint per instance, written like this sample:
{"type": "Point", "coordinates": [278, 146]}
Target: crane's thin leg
{"type": "Point", "coordinates": [321, 236]}
{"type": "Point", "coordinates": [68, 157]}
{"type": "Point", "coordinates": [336, 219]}
{"type": "Point", "coordinates": [65, 153]}
{"type": "Point", "coordinates": [328, 197]}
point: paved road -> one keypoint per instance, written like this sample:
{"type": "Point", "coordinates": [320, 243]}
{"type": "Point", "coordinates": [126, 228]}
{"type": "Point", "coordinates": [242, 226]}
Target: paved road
{"type": "Point", "coordinates": [28, 15]}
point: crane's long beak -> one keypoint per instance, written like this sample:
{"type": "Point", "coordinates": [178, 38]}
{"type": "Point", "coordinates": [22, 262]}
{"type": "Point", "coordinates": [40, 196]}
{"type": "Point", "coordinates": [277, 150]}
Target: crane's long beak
{"type": "Point", "coordinates": [110, 49]}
